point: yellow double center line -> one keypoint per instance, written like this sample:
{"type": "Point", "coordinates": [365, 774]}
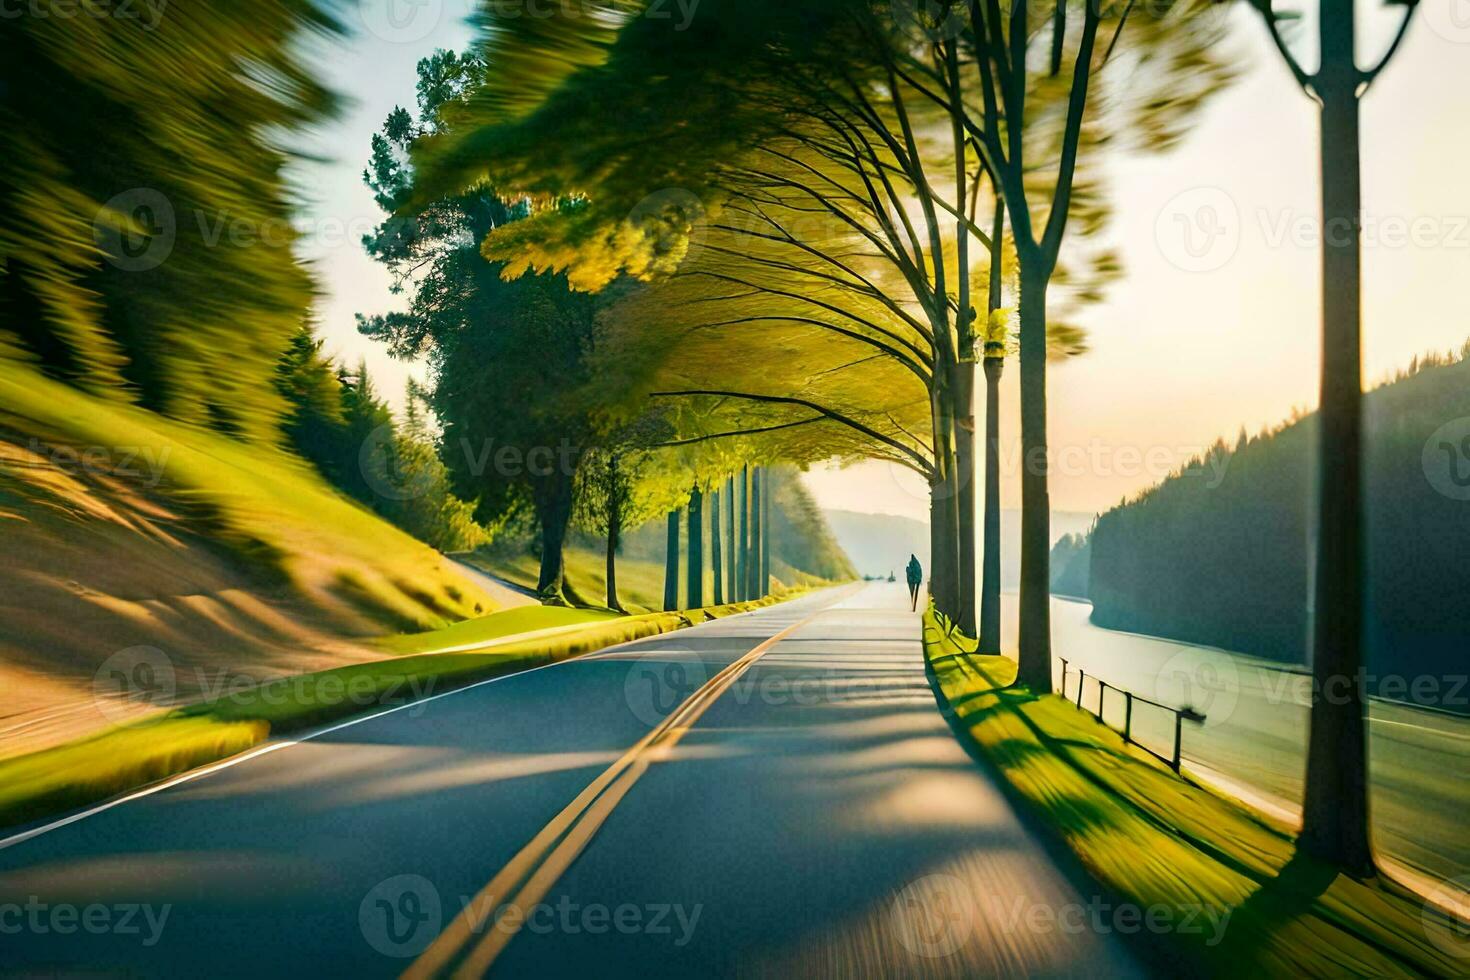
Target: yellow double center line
{"type": "Point", "coordinates": [527, 878]}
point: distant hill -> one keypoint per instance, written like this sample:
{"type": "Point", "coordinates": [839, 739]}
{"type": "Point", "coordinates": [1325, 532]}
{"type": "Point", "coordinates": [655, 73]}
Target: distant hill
{"type": "Point", "coordinates": [880, 543]}
{"type": "Point", "coordinates": [1220, 553]}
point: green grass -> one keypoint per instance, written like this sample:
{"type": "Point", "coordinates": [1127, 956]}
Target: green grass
{"type": "Point", "coordinates": [489, 629]}
{"type": "Point", "coordinates": [1155, 839]}
{"type": "Point", "coordinates": [87, 771]}
{"type": "Point", "coordinates": [640, 583]}
{"type": "Point", "coordinates": [272, 511]}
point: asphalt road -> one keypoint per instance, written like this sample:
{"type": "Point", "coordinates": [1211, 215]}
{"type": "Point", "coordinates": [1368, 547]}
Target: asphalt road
{"type": "Point", "coordinates": [775, 794]}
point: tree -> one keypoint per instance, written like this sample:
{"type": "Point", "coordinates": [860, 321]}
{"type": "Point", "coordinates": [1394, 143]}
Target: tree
{"type": "Point", "coordinates": [733, 593]}
{"type": "Point", "coordinates": [996, 348]}
{"type": "Point", "coordinates": [145, 233]}
{"type": "Point", "coordinates": [511, 361]}
{"type": "Point", "coordinates": [671, 562]}
{"type": "Point", "coordinates": [1006, 135]}
{"type": "Point", "coordinates": [798, 110]}
{"type": "Point", "coordinates": [695, 562]}
{"type": "Point", "coordinates": [621, 487]}
{"type": "Point", "coordinates": [605, 497]}
{"type": "Point", "coordinates": [335, 419]}
{"type": "Point", "coordinates": [1335, 811]}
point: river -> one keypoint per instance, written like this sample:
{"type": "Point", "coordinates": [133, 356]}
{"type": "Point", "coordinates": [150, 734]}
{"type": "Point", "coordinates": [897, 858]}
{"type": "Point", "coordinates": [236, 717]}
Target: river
{"type": "Point", "coordinates": [1253, 739]}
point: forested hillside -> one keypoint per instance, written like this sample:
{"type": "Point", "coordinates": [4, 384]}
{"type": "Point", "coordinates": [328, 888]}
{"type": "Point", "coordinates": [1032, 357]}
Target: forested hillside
{"type": "Point", "coordinates": [1218, 554]}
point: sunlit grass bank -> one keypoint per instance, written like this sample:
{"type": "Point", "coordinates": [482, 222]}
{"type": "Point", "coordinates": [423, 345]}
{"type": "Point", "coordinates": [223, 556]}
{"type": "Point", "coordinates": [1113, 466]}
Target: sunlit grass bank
{"type": "Point", "coordinates": [640, 583]}
{"type": "Point", "coordinates": [90, 770]}
{"type": "Point", "coordinates": [269, 510]}
{"type": "Point", "coordinates": [1157, 841]}
{"type": "Point", "coordinates": [485, 630]}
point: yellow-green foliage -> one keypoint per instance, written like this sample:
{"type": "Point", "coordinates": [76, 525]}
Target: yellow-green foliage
{"type": "Point", "coordinates": [1156, 839]}
{"type": "Point", "coordinates": [146, 226]}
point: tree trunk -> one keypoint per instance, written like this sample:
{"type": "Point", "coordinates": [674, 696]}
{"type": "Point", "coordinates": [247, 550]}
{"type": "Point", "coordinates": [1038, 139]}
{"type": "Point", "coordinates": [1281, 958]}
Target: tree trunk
{"type": "Point", "coordinates": [963, 387]}
{"type": "Point", "coordinates": [1034, 654]}
{"type": "Point", "coordinates": [1335, 810]}
{"type": "Point", "coordinates": [752, 557]}
{"type": "Point", "coordinates": [944, 551]}
{"type": "Point", "coordinates": [766, 535]}
{"type": "Point", "coordinates": [614, 537]}
{"type": "Point", "coordinates": [742, 547]}
{"type": "Point", "coordinates": [695, 569]}
{"type": "Point", "coordinates": [994, 366]}
{"type": "Point", "coordinates": [716, 559]}
{"type": "Point", "coordinates": [732, 582]}
{"type": "Point", "coordinates": [671, 562]}
{"type": "Point", "coordinates": [990, 572]}
{"type": "Point", "coordinates": [554, 511]}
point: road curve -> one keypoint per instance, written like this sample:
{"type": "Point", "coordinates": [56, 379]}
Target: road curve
{"type": "Point", "coordinates": [773, 794]}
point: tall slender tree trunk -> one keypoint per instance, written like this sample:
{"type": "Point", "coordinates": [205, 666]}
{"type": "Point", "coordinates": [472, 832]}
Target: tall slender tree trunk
{"type": "Point", "coordinates": [614, 536]}
{"type": "Point", "coordinates": [766, 535]}
{"type": "Point", "coordinates": [671, 562]}
{"type": "Point", "coordinates": [942, 538]}
{"type": "Point", "coordinates": [943, 503]}
{"type": "Point", "coordinates": [993, 366]}
{"type": "Point", "coordinates": [695, 565]}
{"type": "Point", "coordinates": [962, 379]}
{"type": "Point", "coordinates": [554, 511]}
{"type": "Point", "coordinates": [752, 556]}
{"type": "Point", "coordinates": [742, 572]}
{"type": "Point", "coordinates": [732, 587]}
{"type": "Point", "coordinates": [1034, 655]}
{"type": "Point", "coordinates": [715, 557]}
{"type": "Point", "coordinates": [990, 571]}
{"type": "Point", "coordinates": [964, 443]}
{"type": "Point", "coordinates": [1335, 811]}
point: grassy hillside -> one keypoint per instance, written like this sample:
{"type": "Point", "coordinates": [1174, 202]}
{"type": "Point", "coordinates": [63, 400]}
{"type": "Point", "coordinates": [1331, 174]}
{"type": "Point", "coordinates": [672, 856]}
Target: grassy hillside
{"type": "Point", "coordinates": [1231, 533]}
{"type": "Point", "coordinates": [640, 582]}
{"type": "Point", "coordinates": [124, 529]}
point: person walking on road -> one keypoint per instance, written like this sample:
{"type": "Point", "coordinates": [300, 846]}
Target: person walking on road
{"type": "Point", "coordinates": [915, 574]}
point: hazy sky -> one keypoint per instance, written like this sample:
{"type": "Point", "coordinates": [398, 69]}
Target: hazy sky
{"type": "Point", "coordinates": [1215, 325]}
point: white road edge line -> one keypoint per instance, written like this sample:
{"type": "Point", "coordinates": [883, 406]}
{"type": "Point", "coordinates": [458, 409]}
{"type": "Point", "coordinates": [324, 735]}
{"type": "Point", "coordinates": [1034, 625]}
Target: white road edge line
{"type": "Point", "coordinates": [276, 746]}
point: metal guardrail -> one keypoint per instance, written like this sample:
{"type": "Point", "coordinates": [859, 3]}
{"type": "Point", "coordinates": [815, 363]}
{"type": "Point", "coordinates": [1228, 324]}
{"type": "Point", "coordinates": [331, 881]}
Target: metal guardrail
{"type": "Point", "coordinates": [1181, 715]}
